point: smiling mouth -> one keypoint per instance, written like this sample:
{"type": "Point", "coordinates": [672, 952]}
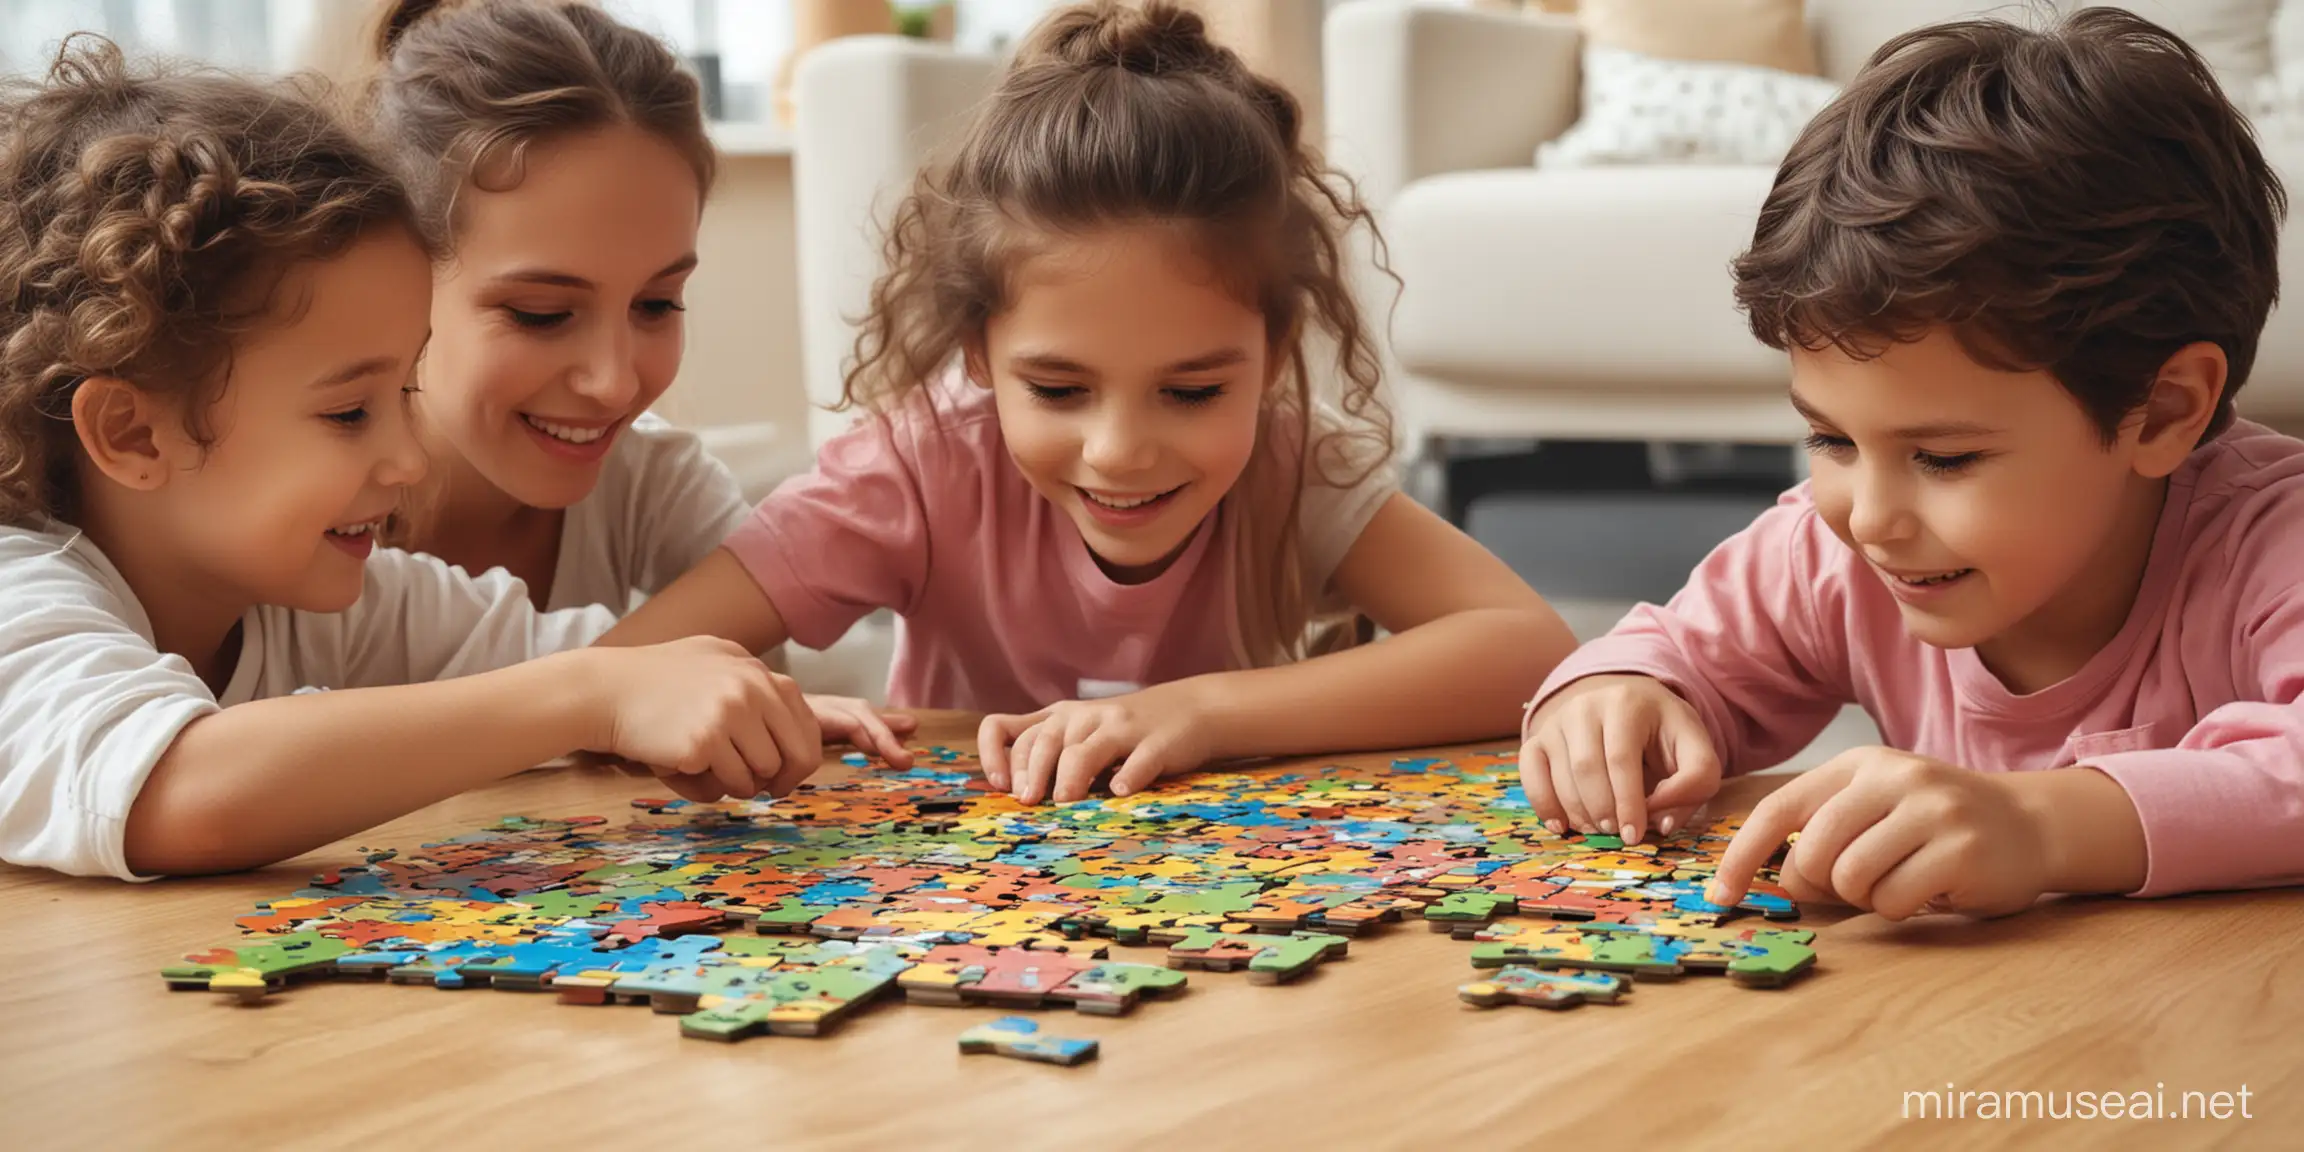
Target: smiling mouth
{"type": "Point", "coordinates": [1127, 503]}
{"type": "Point", "coordinates": [356, 531]}
{"type": "Point", "coordinates": [1931, 579]}
{"type": "Point", "coordinates": [568, 433]}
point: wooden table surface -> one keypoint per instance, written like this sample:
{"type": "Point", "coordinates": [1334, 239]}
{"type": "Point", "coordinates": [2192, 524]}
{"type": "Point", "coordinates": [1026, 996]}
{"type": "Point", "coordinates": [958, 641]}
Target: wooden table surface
{"type": "Point", "coordinates": [2201, 993]}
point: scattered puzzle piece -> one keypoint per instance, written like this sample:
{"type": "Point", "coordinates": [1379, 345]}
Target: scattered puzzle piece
{"type": "Point", "coordinates": [1537, 988]}
{"type": "Point", "coordinates": [1018, 1036]}
{"type": "Point", "coordinates": [1269, 960]}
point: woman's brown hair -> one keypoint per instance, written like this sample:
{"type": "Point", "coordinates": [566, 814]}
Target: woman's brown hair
{"type": "Point", "coordinates": [1115, 114]}
{"type": "Point", "coordinates": [2082, 200]}
{"type": "Point", "coordinates": [146, 217]}
{"type": "Point", "coordinates": [465, 89]}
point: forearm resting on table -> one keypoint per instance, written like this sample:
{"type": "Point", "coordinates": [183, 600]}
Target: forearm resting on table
{"type": "Point", "coordinates": [263, 781]}
{"type": "Point", "coordinates": [715, 598]}
{"type": "Point", "coordinates": [2089, 829]}
{"type": "Point", "coordinates": [1462, 677]}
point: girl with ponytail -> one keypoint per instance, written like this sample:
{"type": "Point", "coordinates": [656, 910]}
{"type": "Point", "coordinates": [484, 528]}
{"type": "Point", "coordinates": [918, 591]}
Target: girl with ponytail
{"type": "Point", "coordinates": [1095, 481]}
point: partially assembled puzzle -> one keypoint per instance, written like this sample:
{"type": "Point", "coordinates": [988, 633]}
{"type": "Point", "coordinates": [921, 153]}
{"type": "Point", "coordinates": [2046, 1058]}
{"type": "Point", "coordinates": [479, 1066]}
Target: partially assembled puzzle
{"type": "Point", "coordinates": [784, 916]}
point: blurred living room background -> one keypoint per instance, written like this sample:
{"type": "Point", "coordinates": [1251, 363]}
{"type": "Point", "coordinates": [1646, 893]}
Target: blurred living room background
{"type": "Point", "coordinates": [1562, 185]}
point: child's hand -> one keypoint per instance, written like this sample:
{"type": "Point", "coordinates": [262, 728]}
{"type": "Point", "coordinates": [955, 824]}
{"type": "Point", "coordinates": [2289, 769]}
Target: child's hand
{"type": "Point", "coordinates": [709, 718]}
{"type": "Point", "coordinates": [1596, 744]}
{"type": "Point", "coordinates": [848, 720]}
{"type": "Point", "coordinates": [1895, 834]}
{"type": "Point", "coordinates": [1057, 752]}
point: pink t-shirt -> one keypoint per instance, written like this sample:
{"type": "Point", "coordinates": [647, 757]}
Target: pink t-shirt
{"type": "Point", "coordinates": [2193, 707]}
{"type": "Point", "coordinates": [1002, 607]}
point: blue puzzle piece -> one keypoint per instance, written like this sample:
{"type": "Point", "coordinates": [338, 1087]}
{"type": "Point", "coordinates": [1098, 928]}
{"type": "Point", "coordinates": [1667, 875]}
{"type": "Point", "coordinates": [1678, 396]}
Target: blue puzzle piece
{"type": "Point", "coordinates": [1018, 1036]}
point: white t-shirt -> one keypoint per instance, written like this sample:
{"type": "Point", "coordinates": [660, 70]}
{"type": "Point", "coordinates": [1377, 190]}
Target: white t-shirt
{"type": "Point", "coordinates": [662, 504]}
{"type": "Point", "coordinates": [88, 703]}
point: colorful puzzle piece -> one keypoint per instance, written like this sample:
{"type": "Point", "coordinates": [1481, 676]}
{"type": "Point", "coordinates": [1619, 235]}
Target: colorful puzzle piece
{"type": "Point", "coordinates": [1019, 1036]}
{"type": "Point", "coordinates": [1269, 960]}
{"type": "Point", "coordinates": [1538, 988]}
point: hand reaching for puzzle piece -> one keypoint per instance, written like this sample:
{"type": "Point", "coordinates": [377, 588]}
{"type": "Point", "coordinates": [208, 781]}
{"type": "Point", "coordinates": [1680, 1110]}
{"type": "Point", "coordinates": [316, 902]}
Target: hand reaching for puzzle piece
{"type": "Point", "coordinates": [706, 716]}
{"type": "Point", "coordinates": [1058, 752]}
{"type": "Point", "coordinates": [848, 720]}
{"type": "Point", "coordinates": [1611, 753]}
{"type": "Point", "coordinates": [1896, 834]}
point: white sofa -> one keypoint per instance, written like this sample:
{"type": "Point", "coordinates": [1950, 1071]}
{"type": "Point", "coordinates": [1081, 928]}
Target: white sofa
{"type": "Point", "coordinates": [1595, 303]}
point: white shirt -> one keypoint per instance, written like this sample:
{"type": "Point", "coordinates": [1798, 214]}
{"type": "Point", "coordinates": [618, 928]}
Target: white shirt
{"type": "Point", "coordinates": [662, 504]}
{"type": "Point", "coordinates": [88, 702]}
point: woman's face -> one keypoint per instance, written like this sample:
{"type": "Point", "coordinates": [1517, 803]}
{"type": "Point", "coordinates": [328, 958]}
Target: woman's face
{"type": "Point", "coordinates": [557, 319]}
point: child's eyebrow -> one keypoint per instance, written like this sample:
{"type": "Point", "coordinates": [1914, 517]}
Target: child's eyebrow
{"type": "Point", "coordinates": [1049, 362]}
{"type": "Point", "coordinates": [1940, 430]}
{"type": "Point", "coordinates": [1944, 430]}
{"type": "Point", "coordinates": [1209, 362]}
{"type": "Point", "coordinates": [1205, 362]}
{"type": "Point", "coordinates": [371, 366]}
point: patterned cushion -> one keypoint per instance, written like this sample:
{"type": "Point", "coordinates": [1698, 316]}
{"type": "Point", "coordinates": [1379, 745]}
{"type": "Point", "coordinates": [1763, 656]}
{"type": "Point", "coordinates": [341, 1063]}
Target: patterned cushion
{"type": "Point", "coordinates": [1644, 110]}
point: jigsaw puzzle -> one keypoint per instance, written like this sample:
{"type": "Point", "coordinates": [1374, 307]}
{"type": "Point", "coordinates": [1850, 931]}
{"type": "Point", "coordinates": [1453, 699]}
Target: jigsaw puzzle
{"type": "Point", "coordinates": [783, 917]}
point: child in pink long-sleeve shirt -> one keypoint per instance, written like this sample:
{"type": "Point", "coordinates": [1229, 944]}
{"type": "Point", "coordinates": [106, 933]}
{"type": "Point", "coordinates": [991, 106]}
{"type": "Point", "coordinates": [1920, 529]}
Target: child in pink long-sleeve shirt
{"type": "Point", "coordinates": [2021, 275]}
{"type": "Point", "coordinates": [1094, 482]}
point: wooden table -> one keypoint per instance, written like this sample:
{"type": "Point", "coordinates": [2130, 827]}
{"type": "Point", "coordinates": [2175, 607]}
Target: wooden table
{"type": "Point", "coordinates": [2202, 993]}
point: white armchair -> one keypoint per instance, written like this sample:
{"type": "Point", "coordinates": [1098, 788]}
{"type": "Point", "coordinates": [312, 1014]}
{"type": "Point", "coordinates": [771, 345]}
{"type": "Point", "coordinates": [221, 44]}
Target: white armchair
{"type": "Point", "coordinates": [1588, 303]}
{"type": "Point", "coordinates": [870, 111]}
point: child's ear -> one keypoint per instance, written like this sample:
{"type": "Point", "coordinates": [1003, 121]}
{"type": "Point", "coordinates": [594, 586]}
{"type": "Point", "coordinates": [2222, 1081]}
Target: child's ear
{"type": "Point", "coordinates": [2182, 402]}
{"type": "Point", "coordinates": [120, 428]}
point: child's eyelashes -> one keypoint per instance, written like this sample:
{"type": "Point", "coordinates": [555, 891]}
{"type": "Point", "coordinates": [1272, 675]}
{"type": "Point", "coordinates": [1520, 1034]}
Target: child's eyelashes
{"type": "Point", "coordinates": [1933, 463]}
{"type": "Point", "coordinates": [348, 417]}
{"type": "Point", "coordinates": [660, 309]}
{"type": "Point", "coordinates": [1825, 444]}
{"type": "Point", "coordinates": [1059, 394]}
{"type": "Point", "coordinates": [1054, 394]}
{"type": "Point", "coordinates": [1936, 464]}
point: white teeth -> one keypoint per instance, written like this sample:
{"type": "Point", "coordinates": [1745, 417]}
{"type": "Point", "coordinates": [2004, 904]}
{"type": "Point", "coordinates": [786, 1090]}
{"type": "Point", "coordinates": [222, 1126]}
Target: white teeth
{"type": "Point", "coordinates": [358, 529]}
{"type": "Point", "coordinates": [1936, 579]}
{"type": "Point", "coordinates": [1122, 505]}
{"type": "Point", "coordinates": [566, 433]}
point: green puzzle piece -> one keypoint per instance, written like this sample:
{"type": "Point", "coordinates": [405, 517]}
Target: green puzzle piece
{"type": "Point", "coordinates": [1212, 901]}
{"type": "Point", "coordinates": [1763, 958]}
{"type": "Point", "coordinates": [1276, 958]}
{"type": "Point", "coordinates": [565, 905]}
{"type": "Point", "coordinates": [251, 969]}
{"type": "Point", "coordinates": [790, 1003]}
{"type": "Point", "coordinates": [790, 915]}
{"type": "Point", "coordinates": [1468, 907]}
{"type": "Point", "coordinates": [1290, 954]}
{"type": "Point", "coordinates": [1118, 978]}
{"type": "Point", "coordinates": [1778, 956]}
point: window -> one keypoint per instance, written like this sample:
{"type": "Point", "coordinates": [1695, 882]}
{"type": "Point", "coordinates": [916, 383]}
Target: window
{"type": "Point", "coordinates": [736, 46]}
{"type": "Point", "coordinates": [253, 35]}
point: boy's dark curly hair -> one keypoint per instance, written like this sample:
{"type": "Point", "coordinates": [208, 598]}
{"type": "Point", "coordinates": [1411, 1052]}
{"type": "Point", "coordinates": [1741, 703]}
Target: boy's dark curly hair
{"type": "Point", "coordinates": [146, 218]}
{"type": "Point", "coordinates": [2081, 199]}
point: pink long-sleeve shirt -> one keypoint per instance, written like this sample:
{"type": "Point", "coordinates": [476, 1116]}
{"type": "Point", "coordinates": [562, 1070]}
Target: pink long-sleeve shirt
{"type": "Point", "coordinates": [2194, 707]}
{"type": "Point", "coordinates": [1003, 607]}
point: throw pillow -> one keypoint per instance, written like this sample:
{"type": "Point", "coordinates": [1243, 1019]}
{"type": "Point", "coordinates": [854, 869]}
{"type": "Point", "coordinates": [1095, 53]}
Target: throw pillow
{"type": "Point", "coordinates": [1644, 110]}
